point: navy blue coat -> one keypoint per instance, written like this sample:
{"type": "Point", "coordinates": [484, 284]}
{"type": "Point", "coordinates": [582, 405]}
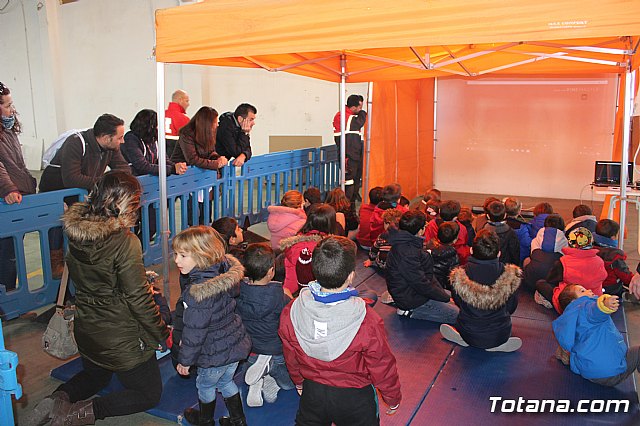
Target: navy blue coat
{"type": "Point", "coordinates": [259, 307]}
{"type": "Point", "coordinates": [213, 334]}
{"type": "Point", "coordinates": [410, 277]}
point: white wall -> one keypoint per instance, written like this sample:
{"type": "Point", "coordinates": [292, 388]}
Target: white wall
{"type": "Point", "coordinates": [67, 64]}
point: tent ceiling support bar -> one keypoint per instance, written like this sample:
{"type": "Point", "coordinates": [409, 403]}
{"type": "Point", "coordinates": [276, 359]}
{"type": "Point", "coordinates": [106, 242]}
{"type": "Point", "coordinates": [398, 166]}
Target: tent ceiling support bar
{"type": "Point", "coordinates": [593, 49]}
{"type": "Point", "coordinates": [328, 68]}
{"type": "Point", "coordinates": [566, 57]}
{"type": "Point", "coordinates": [381, 67]}
{"type": "Point", "coordinates": [516, 64]}
{"type": "Point", "coordinates": [385, 60]}
{"type": "Point", "coordinates": [474, 55]}
{"type": "Point", "coordinates": [258, 63]}
{"type": "Point", "coordinates": [308, 61]}
{"type": "Point", "coordinates": [426, 65]}
{"type": "Point", "coordinates": [470, 74]}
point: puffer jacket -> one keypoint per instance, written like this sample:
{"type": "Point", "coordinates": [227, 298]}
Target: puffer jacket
{"type": "Point", "coordinates": [284, 222]}
{"type": "Point", "coordinates": [410, 277]}
{"type": "Point", "coordinates": [485, 292]}
{"type": "Point", "coordinates": [260, 307]}
{"type": "Point", "coordinates": [292, 247]}
{"type": "Point", "coordinates": [117, 323]}
{"type": "Point", "coordinates": [213, 334]}
{"type": "Point", "coordinates": [523, 232]}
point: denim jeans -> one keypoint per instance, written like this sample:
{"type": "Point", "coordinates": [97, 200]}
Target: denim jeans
{"type": "Point", "coordinates": [435, 311]}
{"type": "Point", "coordinates": [277, 370]}
{"type": "Point", "coordinates": [212, 378]}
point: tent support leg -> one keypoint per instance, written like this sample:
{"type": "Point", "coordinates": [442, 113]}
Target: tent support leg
{"type": "Point", "coordinates": [343, 118]}
{"type": "Point", "coordinates": [162, 159]}
{"type": "Point", "coordinates": [365, 187]}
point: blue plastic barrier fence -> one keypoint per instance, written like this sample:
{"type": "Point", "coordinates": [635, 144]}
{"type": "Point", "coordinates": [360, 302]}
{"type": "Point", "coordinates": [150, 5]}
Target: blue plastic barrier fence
{"type": "Point", "coordinates": [8, 382]}
{"type": "Point", "coordinates": [36, 213]}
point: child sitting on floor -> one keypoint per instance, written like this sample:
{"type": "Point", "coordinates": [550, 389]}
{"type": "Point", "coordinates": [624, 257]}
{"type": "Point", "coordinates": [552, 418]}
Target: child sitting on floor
{"type": "Point", "coordinates": [390, 198]}
{"type": "Point", "coordinates": [381, 247]}
{"type": "Point", "coordinates": [618, 273]}
{"type": "Point", "coordinates": [444, 254]}
{"type": "Point", "coordinates": [232, 235]}
{"type": "Point", "coordinates": [582, 217]}
{"type": "Point", "coordinates": [366, 212]}
{"type": "Point", "coordinates": [485, 290]}
{"type": "Point", "coordinates": [260, 303]}
{"type": "Point", "coordinates": [509, 244]}
{"type": "Point", "coordinates": [286, 219]}
{"type": "Point", "coordinates": [513, 208]}
{"type": "Point", "coordinates": [410, 280]}
{"type": "Point", "coordinates": [311, 196]}
{"type": "Point", "coordinates": [449, 211]}
{"type": "Point", "coordinates": [597, 350]}
{"type": "Point", "coordinates": [465, 218]}
{"type": "Point", "coordinates": [546, 249]}
{"type": "Point", "coordinates": [336, 347]}
{"type": "Point", "coordinates": [540, 213]}
{"type": "Point", "coordinates": [580, 264]}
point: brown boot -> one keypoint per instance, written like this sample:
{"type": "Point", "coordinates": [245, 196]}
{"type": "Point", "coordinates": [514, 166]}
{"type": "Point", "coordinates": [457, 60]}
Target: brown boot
{"type": "Point", "coordinates": [77, 414]}
{"type": "Point", "coordinates": [57, 263]}
{"type": "Point", "coordinates": [42, 412]}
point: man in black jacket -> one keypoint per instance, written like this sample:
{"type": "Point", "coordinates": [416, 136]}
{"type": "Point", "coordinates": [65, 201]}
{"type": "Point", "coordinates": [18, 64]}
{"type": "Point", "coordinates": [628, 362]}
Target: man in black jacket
{"type": "Point", "coordinates": [233, 139]}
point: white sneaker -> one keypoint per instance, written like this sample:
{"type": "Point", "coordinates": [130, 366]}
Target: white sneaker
{"type": "Point", "coordinates": [511, 345]}
{"type": "Point", "coordinates": [270, 389]}
{"type": "Point", "coordinates": [403, 313]}
{"type": "Point", "coordinates": [540, 300]}
{"type": "Point", "coordinates": [256, 371]}
{"type": "Point", "coordinates": [452, 335]}
{"type": "Point", "coordinates": [254, 396]}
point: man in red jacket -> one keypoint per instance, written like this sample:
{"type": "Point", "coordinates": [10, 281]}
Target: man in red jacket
{"type": "Point", "coordinates": [175, 118]}
{"type": "Point", "coordinates": [335, 346]}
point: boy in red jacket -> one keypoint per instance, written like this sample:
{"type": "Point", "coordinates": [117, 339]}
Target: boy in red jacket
{"type": "Point", "coordinates": [335, 346]}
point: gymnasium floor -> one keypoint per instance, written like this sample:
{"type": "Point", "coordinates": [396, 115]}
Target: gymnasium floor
{"type": "Point", "coordinates": [441, 383]}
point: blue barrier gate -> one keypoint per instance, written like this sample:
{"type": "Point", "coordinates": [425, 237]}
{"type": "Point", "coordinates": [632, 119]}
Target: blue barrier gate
{"type": "Point", "coordinates": [8, 382]}
{"type": "Point", "coordinates": [36, 213]}
{"type": "Point", "coordinates": [260, 183]}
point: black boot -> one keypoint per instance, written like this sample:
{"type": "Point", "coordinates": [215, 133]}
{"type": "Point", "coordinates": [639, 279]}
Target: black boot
{"type": "Point", "coordinates": [236, 414]}
{"type": "Point", "coordinates": [204, 416]}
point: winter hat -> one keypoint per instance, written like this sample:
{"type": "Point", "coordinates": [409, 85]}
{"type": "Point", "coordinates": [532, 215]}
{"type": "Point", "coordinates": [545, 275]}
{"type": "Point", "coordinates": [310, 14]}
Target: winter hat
{"type": "Point", "coordinates": [580, 238]}
{"type": "Point", "coordinates": [304, 270]}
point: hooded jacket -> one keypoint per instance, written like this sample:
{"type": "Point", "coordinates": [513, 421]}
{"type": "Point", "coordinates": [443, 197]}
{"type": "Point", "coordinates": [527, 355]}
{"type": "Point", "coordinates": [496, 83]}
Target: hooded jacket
{"type": "Point", "coordinates": [260, 307]}
{"type": "Point", "coordinates": [377, 224]}
{"type": "Point", "coordinates": [523, 232]}
{"type": "Point", "coordinates": [618, 273]}
{"type": "Point", "coordinates": [546, 249]}
{"type": "Point", "coordinates": [341, 344]}
{"type": "Point", "coordinates": [597, 349]}
{"type": "Point", "coordinates": [213, 333]}
{"type": "Point", "coordinates": [292, 247]}
{"type": "Point", "coordinates": [14, 176]}
{"type": "Point", "coordinates": [509, 244]}
{"type": "Point", "coordinates": [460, 243]}
{"type": "Point", "coordinates": [364, 232]}
{"type": "Point", "coordinates": [537, 224]}
{"type": "Point", "coordinates": [117, 324]}
{"type": "Point", "coordinates": [485, 292]}
{"type": "Point", "coordinates": [410, 277]}
{"type": "Point", "coordinates": [284, 222]}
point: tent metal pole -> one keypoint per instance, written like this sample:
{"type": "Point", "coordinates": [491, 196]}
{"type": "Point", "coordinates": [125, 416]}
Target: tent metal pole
{"type": "Point", "coordinates": [365, 189]}
{"type": "Point", "coordinates": [343, 118]}
{"type": "Point", "coordinates": [162, 160]}
{"type": "Point", "coordinates": [624, 171]}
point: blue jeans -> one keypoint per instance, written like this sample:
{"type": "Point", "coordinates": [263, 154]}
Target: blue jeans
{"type": "Point", "coordinates": [212, 378]}
{"type": "Point", "coordinates": [437, 312]}
{"type": "Point", "coordinates": [277, 370]}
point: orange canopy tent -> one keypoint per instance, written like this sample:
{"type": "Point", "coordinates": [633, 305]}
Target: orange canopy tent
{"type": "Point", "coordinates": [382, 40]}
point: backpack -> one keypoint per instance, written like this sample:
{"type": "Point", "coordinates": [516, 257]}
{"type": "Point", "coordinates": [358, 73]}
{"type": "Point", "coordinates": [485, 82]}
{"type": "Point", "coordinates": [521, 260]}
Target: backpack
{"type": "Point", "coordinates": [48, 155]}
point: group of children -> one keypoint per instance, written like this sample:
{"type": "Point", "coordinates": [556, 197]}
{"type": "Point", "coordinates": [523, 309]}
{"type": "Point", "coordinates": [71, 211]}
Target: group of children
{"type": "Point", "coordinates": [331, 346]}
{"type": "Point", "coordinates": [328, 344]}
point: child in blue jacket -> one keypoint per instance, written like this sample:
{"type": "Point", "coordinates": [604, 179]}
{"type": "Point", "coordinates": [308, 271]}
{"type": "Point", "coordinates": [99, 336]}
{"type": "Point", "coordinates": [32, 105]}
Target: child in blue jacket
{"type": "Point", "coordinates": [597, 350]}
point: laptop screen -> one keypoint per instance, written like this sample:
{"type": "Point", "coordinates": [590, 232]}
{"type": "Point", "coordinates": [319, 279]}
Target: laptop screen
{"type": "Point", "coordinates": [608, 173]}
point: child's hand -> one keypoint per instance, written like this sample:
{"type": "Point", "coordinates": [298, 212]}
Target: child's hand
{"type": "Point", "coordinates": [183, 370]}
{"type": "Point", "coordinates": [392, 410]}
{"type": "Point", "coordinates": [299, 389]}
{"type": "Point", "coordinates": [612, 302]}
{"type": "Point", "coordinates": [367, 263]}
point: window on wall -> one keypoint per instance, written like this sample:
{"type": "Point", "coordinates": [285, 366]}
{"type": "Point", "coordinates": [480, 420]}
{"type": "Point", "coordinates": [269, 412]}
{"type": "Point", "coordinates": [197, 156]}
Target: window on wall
{"type": "Point", "coordinates": [527, 136]}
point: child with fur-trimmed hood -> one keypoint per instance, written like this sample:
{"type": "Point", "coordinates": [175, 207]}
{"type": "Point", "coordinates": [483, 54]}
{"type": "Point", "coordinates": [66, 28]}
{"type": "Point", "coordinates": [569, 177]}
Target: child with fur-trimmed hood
{"type": "Point", "coordinates": [485, 291]}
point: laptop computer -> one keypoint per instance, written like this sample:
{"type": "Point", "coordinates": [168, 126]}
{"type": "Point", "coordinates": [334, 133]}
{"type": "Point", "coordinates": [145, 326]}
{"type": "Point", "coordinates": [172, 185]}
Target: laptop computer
{"type": "Point", "coordinates": [607, 173]}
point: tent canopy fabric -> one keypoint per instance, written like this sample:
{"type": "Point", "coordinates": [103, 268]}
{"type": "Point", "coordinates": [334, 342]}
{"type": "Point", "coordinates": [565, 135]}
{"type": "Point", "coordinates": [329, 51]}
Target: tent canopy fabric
{"type": "Point", "coordinates": [410, 39]}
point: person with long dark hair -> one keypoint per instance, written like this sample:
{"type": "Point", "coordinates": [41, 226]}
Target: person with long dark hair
{"type": "Point", "coordinates": [118, 326]}
{"type": "Point", "coordinates": [15, 179]}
